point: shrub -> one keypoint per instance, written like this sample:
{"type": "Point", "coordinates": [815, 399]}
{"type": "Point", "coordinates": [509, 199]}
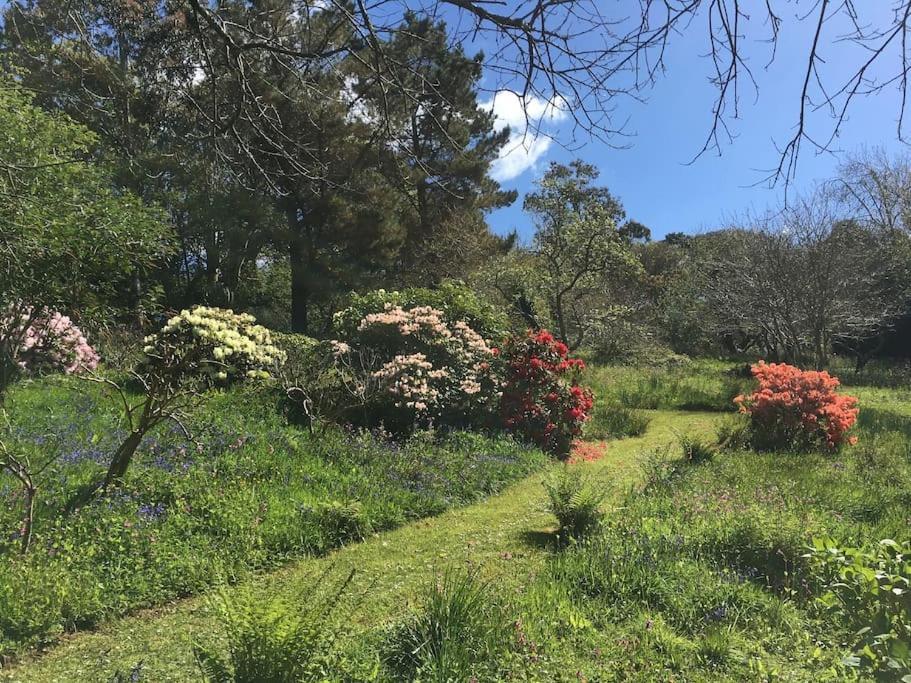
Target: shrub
{"type": "Point", "coordinates": [454, 300]}
{"type": "Point", "coordinates": [46, 341]}
{"type": "Point", "coordinates": [575, 504]}
{"type": "Point", "coordinates": [210, 345]}
{"type": "Point", "coordinates": [459, 634]}
{"type": "Point", "coordinates": [696, 449]}
{"type": "Point", "coordinates": [733, 433]}
{"type": "Point", "coordinates": [194, 350]}
{"type": "Point", "coordinates": [275, 641]}
{"type": "Point", "coordinates": [797, 408]}
{"type": "Point", "coordinates": [614, 420]}
{"type": "Point", "coordinates": [870, 590]}
{"type": "Point", "coordinates": [428, 370]}
{"type": "Point", "coordinates": [542, 400]}
{"type": "Point", "coordinates": [325, 380]}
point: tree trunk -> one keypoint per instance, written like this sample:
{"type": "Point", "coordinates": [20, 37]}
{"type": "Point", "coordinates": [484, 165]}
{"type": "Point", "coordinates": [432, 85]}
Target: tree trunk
{"type": "Point", "coordinates": [300, 288]}
{"type": "Point", "coordinates": [123, 457]}
{"type": "Point", "coordinates": [561, 320]}
{"type": "Point", "coordinates": [298, 253]}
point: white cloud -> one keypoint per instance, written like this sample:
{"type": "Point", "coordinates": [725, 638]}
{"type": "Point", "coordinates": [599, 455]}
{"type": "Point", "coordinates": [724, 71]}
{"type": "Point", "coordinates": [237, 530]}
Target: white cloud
{"type": "Point", "coordinates": [530, 120]}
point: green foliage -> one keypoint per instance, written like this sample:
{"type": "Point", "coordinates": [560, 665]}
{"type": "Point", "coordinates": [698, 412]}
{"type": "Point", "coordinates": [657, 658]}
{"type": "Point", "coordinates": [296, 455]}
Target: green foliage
{"type": "Point", "coordinates": [869, 589]}
{"type": "Point", "coordinates": [697, 385]}
{"type": "Point", "coordinates": [576, 504]}
{"type": "Point", "coordinates": [68, 240]}
{"type": "Point", "coordinates": [276, 641]}
{"type": "Point", "coordinates": [324, 380]}
{"type": "Point", "coordinates": [696, 448]}
{"type": "Point", "coordinates": [733, 432]}
{"type": "Point", "coordinates": [459, 633]}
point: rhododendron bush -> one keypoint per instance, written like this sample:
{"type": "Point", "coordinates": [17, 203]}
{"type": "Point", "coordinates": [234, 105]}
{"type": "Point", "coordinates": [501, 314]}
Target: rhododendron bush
{"type": "Point", "coordinates": [195, 349]}
{"type": "Point", "coordinates": [542, 400]}
{"type": "Point", "coordinates": [797, 408]}
{"type": "Point", "coordinates": [212, 343]}
{"type": "Point", "coordinates": [432, 371]}
{"type": "Point", "coordinates": [47, 341]}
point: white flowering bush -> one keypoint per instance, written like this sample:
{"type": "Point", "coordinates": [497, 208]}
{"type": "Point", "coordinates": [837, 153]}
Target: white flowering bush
{"type": "Point", "coordinates": [195, 349]}
{"type": "Point", "coordinates": [214, 344]}
{"type": "Point", "coordinates": [431, 370]}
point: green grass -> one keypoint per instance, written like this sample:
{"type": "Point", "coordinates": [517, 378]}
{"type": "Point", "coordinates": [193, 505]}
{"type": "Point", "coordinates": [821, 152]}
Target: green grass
{"type": "Point", "coordinates": [506, 536]}
{"type": "Point", "coordinates": [247, 494]}
{"type": "Point", "coordinates": [698, 573]}
{"type": "Point", "coordinates": [695, 385]}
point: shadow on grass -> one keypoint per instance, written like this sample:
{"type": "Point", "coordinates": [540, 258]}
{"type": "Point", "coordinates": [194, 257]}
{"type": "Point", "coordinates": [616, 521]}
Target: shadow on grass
{"type": "Point", "coordinates": [545, 540]}
{"type": "Point", "coordinates": [879, 420]}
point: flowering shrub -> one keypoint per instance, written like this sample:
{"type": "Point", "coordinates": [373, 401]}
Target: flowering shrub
{"type": "Point", "coordinates": [797, 408]}
{"type": "Point", "coordinates": [212, 343]}
{"type": "Point", "coordinates": [542, 400]}
{"type": "Point", "coordinates": [455, 301]}
{"type": "Point", "coordinates": [194, 349]}
{"type": "Point", "coordinates": [48, 342]}
{"type": "Point", "coordinates": [430, 370]}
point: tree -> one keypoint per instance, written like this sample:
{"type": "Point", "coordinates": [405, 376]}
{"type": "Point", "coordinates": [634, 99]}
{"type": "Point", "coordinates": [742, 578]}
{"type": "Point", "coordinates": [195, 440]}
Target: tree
{"type": "Point", "coordinates": [68, 238]}
{"type": "Point", "coordinates": [800, 279]}
{"type": "Point", "coordinates": [580, 54]}
{"type": "Point", "coordinates": [582, 255]}
{"type": "Point", "coordinates": [444, 143]}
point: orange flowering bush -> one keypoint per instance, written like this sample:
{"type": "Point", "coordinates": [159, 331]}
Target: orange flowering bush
{"type": "Point", "coordinates": [798, 408]}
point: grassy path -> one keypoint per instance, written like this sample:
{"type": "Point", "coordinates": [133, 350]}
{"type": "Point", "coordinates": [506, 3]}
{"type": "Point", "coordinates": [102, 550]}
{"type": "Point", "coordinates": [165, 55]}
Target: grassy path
{"type": "Point", "coordinates": [502, 534]}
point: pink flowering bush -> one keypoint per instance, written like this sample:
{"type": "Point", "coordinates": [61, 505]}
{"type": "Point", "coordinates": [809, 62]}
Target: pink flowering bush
{"type": "Point", "coordinates": [794, 408]}
{"type": "Point", "coordinates": [47, 341]}
{"type": "Point", "coordinates": [431, 371]}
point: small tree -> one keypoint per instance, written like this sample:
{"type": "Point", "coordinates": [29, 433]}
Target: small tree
{"type": "Point", "coordinates": [582, 254]}
{"type": "Point", "coordinates": [195, 350]}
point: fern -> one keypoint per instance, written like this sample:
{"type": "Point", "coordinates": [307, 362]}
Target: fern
{"type": "Point", "coordinates": [575, 503]}
{"type": "Point", "coordinates": [276, 640]}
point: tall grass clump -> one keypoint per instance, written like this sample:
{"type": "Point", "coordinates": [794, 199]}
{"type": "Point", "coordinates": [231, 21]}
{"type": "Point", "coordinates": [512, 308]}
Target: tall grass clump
{"type": "Point", "coordinates": [699, 385]}
{"type": "Point", "coordinates": [459, 633]}
{"type": "Point", "coordinates": [613, 420]}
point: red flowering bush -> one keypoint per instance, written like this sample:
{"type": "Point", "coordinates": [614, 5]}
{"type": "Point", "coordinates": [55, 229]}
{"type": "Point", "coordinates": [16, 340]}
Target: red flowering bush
{"type": "Point", "coordinates": [797, 408]}
{"type": "Point", "coordinates": [542, 401]}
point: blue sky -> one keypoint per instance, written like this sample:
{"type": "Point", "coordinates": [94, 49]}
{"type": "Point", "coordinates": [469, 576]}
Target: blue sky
{"type": "Point", "coordinates": [652, 177]}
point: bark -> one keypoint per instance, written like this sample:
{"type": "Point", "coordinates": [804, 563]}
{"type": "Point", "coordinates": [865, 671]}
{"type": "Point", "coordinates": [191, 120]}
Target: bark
{"type": "Point", "coordinates": [123, 457]}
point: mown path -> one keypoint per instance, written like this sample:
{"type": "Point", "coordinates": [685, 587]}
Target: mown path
{"type": "Point", "coordinates": [504, 535]}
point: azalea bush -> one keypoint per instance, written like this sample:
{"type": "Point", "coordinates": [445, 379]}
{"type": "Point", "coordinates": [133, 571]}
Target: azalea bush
{"type": "Point", "coordinates": [542, 401]}
{"type": "Point", "coordinates": [794, 408]}
{"type": "Point", "coordinates": [429, 370]}
{"type": "Point", "coordinates": [42, 341]}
